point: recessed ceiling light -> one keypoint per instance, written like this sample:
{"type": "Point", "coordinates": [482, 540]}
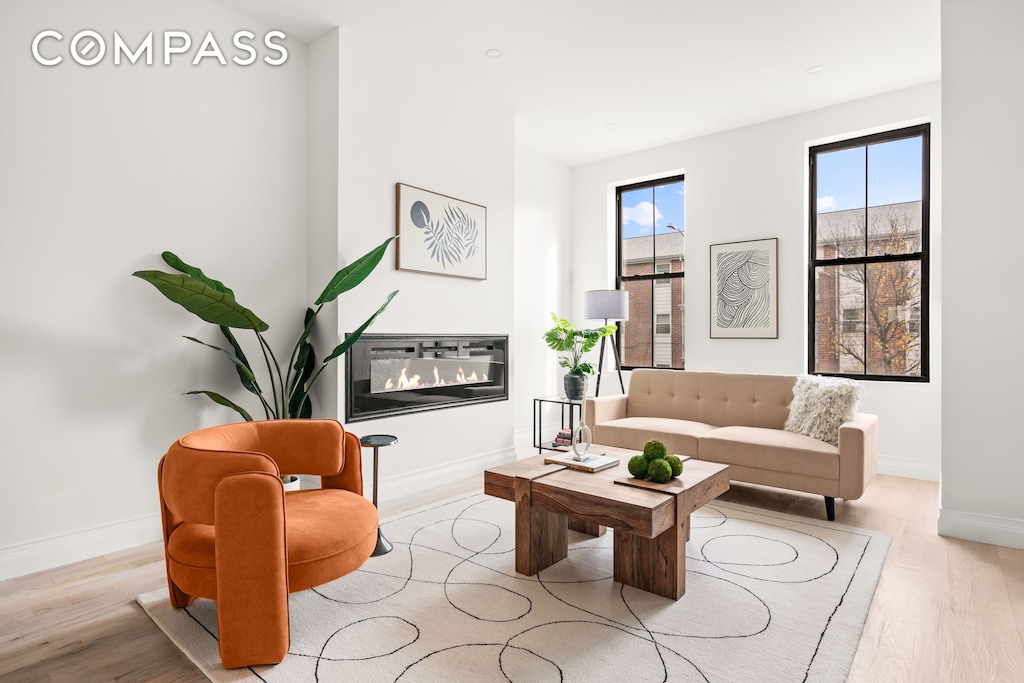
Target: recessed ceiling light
{"type": "Point", "coordinates": [613, 125]}
{"type": "Point", "coordinates": [817, 69]}
{"type": "Point", "coordinates": [492, 53]}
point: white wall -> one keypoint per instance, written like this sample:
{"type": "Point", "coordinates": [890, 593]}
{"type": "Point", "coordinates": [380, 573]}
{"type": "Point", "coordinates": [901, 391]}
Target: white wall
{"type": "Point", "coordinates": [750, 183]}
{"type": "Point", "coordinates": [543, 264]}
{"type": "Point", "coordinates": [322, 143]}
{"type": "Point", "coordinates": [102, 169]}
{"type": "Point", "coordinates": [400, 124]}
{"type": "Point", "coordinates": [983, 107]}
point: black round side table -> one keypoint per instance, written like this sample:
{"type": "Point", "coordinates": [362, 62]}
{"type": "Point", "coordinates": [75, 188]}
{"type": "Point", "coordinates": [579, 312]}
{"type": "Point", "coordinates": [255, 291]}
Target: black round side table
{"type": "Point", "coordinates": [378, 441]}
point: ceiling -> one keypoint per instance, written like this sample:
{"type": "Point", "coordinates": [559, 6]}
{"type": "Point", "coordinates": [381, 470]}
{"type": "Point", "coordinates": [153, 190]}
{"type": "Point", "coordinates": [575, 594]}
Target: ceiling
{"type": "Point", "coordinates": [591, 79]}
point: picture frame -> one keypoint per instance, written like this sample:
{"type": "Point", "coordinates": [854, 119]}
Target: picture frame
{"type": "Point", "coordinates": [745, 289]}
{"type": "Point", "coordinates": [440, 235]}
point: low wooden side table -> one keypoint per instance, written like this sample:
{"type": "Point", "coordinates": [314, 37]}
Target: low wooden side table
{"type": "Point", "coordinates": [378, 441]}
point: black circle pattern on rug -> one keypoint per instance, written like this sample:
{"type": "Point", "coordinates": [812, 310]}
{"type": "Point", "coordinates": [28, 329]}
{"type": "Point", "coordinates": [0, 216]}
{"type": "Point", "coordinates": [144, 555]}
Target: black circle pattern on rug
{"type": "Point", "coordinates": [768, 598]}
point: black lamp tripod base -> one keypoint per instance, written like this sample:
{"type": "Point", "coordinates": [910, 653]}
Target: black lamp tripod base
{"type": "Point", "coordinates": [600, 363]}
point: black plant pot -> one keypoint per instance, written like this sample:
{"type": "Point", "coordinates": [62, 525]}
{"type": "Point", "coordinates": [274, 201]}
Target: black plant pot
{"type": "Point", "coordinates": [575, 386]}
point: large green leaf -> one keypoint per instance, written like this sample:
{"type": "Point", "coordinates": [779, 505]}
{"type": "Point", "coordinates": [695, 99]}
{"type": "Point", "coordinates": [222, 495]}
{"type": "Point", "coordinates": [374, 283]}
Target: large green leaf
{"type": "Point", "coordinates": [244, 373]}
{"type": "Point", "coordinates": [588, 339]}
{"type": "Point", "coordinates": [243, 369]}
{"type": "Point", "coordinates": [354, 273]}
{"type": "Point", "coordinates": [354, 337]}
{"type": "Point", "coordinates": [219, 308]}
{"type": "Point", "coordinates": [217, 398]}
{"type": "Point", "coordinates": [558, 339]}
{"type": "Point", "coordinates": [304, 366]}
{"type": "Point", "coordinates": [307, 330]}
{"type": "Point", "coordinates": [305, 409]}
{"type": "Point", "coordinates": [173, 261]}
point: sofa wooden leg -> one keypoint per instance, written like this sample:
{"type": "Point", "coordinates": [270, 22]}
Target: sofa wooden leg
{"type": "Point", "coordinates": [830, 508]}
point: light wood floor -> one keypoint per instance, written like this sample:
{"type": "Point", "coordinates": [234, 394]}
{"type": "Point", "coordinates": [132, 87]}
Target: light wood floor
{"type": "Point", "coordinates": [944, 610]}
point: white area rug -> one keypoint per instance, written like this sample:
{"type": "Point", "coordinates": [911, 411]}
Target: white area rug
{"type": "Point", "coordinates": [769, 597]}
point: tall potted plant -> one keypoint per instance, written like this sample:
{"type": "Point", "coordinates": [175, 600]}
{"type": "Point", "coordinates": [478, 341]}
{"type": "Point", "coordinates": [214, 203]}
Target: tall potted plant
{"type": "Point", "coordinates": [289, 387]}
{"type": "Point", "coordinates": [564, 337]}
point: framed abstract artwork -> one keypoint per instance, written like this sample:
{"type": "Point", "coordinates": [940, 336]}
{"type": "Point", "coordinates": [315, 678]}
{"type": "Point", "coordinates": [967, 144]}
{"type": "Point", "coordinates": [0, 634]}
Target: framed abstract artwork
{"type": "Point", "coordinates": [439, 234]}
{"type": "Point", "coordinates": [745, 290]}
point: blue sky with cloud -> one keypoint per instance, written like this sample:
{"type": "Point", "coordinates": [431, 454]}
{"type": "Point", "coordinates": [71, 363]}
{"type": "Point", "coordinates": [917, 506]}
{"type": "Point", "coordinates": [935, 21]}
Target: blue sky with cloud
{"type": "Point", "coordinates": [651, 209]}
{"type": "Point", "coordinates": [894, 175]}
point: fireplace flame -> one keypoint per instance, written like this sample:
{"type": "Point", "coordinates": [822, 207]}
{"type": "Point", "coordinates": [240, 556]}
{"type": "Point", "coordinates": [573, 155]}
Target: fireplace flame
{"type": "Point", "coordinates": [404, 381]}
{"type": "Point", "coordinates": [461, 378]}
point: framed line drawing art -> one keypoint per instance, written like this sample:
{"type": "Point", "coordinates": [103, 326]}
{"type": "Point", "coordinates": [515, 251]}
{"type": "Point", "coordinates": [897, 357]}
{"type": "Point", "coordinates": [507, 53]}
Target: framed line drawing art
{"type": "Point", "coordinates": [745, 290]}
{"type": "Point", "coordinates": [440, 234]}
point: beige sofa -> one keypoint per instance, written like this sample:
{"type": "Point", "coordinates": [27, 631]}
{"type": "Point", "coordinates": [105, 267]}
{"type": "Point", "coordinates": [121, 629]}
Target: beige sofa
{"type": "Point", "coordinates": [737, 419]}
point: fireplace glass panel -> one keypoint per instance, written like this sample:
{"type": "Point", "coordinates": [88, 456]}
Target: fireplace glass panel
{"type": "Point", "coordinates": [387, 375]}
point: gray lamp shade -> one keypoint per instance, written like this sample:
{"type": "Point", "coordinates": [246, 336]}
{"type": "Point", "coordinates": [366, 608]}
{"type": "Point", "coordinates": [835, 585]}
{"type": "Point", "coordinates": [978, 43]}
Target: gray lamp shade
{"type": "Point", "coordinates": [606, 304]}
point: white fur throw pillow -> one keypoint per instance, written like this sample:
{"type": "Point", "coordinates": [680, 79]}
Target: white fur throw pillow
{"type": "Point", "coordinates": [821, 405]}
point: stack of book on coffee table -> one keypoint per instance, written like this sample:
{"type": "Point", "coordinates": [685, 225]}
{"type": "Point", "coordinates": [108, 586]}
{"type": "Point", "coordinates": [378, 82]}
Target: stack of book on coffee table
{"type": "Point", "coordinates": [588, 462]}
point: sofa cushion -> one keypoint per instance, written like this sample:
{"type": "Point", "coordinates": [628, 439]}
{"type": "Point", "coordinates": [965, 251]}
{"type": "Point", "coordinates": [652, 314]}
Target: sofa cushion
{"type": "Point", "coordinates": [680, 436]}
{"type": "Point", "coordinates": [770, 449]}
{"type": "Point", "coordinates": [733, 399]}
{"type": "Point", "coordinates": [716, 398]}
{"type": "Point", "coordinates": [663, 393]}
{"type": "Point", "coordinates": [821, 405]}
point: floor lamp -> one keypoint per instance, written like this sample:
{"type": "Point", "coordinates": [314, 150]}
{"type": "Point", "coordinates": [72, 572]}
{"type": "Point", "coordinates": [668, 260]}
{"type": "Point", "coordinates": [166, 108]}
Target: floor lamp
{"type": "Point", "coordinates": [607, 304]}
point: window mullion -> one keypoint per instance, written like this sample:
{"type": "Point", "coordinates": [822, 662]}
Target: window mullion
{"type": "Point", "coordinates": [654, 261]}
{"type": "Point", "coordinates": [867, 226]}
{"type": "Point", "coordinates": [882, 258]}
{"type": "Point", "coordinates": [865, 326]}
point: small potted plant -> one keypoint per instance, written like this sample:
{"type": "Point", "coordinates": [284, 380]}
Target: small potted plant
{"type": "Point", "coordinates": [566, 338]}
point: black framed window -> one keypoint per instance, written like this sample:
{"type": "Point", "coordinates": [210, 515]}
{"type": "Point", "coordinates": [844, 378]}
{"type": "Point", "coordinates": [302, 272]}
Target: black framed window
{"type": "Point", "coordinates": [868, 269]}
{"type": "Point", "coordinates": [651, 267]}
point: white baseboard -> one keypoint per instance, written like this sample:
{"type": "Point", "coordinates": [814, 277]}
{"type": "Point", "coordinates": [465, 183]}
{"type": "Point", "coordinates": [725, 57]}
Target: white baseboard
{"type": "Point", "coordinates": [418, 481]}
{"type": "Point", "coordinates": [909, 468]}
{"type": "Point", "coordinates": [524, 437]}
{"type": "Point", "coordinates": [28, 558]}
{"type": "Point", "coordinates": [57, 551]}
{"type": "Point", "coordinates": [972, 526]}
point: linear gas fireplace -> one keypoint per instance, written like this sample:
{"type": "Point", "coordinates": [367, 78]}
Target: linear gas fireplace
{"type": "Point", "coordinates": [392, 374]}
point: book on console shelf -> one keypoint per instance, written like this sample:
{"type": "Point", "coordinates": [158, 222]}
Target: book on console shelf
{"type": "Point", "coordinates": [592, 462]}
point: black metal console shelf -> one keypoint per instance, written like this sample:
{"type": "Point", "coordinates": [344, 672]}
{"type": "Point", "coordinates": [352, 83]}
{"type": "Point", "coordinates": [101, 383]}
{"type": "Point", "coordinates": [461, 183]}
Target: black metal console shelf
{"type": "Point", "coordinates": [570, 414]}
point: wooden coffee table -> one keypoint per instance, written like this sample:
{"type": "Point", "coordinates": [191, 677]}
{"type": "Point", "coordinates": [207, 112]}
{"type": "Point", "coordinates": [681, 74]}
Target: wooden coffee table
{"type": "Point", "coordinates": [651, 526]}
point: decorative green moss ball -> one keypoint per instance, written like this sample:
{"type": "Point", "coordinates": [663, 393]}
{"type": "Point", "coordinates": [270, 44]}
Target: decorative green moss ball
{"type": "Point", "coordinates": [659, 470]}
{"type": "Point", "coordinates": [676, 463]}
{"type": "Point", "coordinates": [654, 449]}
{"type": "Point", "coordinates": [638, 466]}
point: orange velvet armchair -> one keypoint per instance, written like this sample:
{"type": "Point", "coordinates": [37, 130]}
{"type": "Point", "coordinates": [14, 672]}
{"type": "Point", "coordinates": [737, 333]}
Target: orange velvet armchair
{"type": "Point", "coordinates": [233, 535]}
